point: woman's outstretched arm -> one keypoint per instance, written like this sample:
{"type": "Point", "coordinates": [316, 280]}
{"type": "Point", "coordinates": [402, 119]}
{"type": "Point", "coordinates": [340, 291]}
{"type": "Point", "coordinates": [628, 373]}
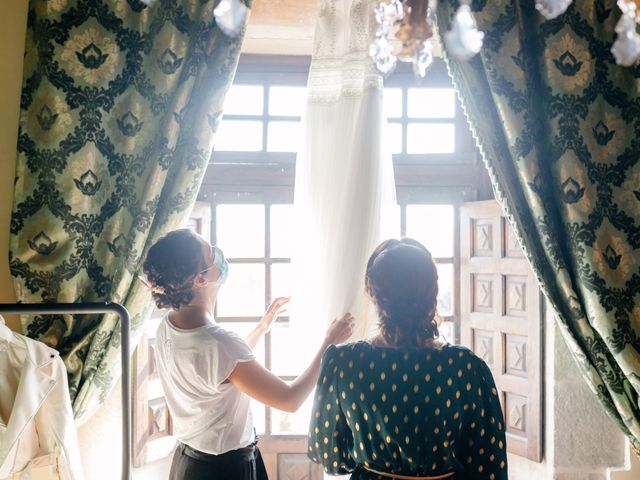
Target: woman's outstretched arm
{"type": "Point", "coordinates": [259, 383]}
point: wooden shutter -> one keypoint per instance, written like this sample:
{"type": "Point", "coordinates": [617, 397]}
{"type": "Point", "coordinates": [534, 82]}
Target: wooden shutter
{"type": "Point", "coordinates": [152, 426]}
{"type": "Point", "coordinates": [501, 319]}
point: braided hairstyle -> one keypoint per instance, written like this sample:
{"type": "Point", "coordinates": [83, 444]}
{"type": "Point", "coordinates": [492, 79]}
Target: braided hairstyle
{"type": "Point", "coordinates": [171, 265]}
{"type": "Point", "coordinates": [402, 281]}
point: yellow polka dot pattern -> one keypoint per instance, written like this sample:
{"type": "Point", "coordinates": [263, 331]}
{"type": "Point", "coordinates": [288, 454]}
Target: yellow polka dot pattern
{"type": "Point", "coordinates": [415, 413]}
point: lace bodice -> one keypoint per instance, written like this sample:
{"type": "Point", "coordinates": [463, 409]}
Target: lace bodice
{"type": "Point", "coordinates": [341, 65]}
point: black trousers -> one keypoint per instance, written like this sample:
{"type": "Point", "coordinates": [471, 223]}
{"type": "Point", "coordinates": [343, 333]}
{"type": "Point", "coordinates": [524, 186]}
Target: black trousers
{"type": "Point", "coordinates": [242, 464]}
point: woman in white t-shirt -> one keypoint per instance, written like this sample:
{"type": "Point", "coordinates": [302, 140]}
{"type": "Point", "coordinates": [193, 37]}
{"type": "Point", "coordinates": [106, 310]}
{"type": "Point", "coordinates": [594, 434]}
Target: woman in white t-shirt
{"type": "Point", "coordinates": [208, 373]}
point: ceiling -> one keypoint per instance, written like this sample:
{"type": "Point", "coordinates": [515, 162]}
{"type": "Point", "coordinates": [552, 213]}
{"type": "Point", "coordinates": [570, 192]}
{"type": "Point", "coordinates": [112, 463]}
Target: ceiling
{"type": "Point", "coordinates": [283, 27]}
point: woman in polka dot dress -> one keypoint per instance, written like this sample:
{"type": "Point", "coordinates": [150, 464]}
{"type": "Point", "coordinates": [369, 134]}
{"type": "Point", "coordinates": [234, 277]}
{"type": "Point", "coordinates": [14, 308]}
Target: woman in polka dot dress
{"type": "Point", "coordinates": [404, 404]}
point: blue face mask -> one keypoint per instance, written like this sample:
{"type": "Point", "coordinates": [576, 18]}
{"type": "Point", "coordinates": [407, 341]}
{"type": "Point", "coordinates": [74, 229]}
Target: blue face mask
{"type": "Point", "coordinates": [221, 264]}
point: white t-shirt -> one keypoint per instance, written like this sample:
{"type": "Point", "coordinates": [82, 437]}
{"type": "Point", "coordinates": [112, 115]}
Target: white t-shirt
{"type": "Point", "coordinates": [208, 415]}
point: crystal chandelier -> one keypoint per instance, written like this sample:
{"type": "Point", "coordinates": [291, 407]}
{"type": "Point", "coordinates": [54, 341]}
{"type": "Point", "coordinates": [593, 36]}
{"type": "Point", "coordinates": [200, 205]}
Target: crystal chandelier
{"type": "Point", "coordinates": [406, 30]}
{"type": "Point", "coordinates": [405, 33]}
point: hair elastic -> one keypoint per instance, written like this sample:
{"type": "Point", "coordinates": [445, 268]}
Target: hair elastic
{"type": "Point", "coordinates": [150, 286]}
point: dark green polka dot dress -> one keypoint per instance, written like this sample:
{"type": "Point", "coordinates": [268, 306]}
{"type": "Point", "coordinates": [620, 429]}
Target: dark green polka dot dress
{"type": "Point", "coordinates": [413, 413]}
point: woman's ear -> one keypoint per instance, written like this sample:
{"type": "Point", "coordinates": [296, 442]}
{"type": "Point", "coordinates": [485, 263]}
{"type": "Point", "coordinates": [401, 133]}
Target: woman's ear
{"type": "Point", "coordinates": [200, 281]}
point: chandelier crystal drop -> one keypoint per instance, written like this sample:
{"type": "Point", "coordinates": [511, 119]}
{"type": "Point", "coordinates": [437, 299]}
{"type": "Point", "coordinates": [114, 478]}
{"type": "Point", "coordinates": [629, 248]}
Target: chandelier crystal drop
{"type": "Point", "coordinates": [231, 16]}
{"type": "Point", "coordinates": [464, 40]}
{"type": "Point", "coordinates": [626, 48]}
{"type": "Point", "coordinates": [551, 9]}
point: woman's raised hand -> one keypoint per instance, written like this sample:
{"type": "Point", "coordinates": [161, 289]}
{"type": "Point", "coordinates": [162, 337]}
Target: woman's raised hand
{"type": "Point", "coordinates": [340, 329]}
{"type": "Point", "coordinates": [273, 312]}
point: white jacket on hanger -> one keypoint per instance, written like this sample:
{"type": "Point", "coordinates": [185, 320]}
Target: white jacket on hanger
{"type": "Point", "coordinates": [38, 438]}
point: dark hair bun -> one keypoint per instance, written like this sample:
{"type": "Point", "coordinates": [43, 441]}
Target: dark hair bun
{"type": "Point", "coordinates": [402, 280]}
{"type": "Point", "coordinates": [171, 264]}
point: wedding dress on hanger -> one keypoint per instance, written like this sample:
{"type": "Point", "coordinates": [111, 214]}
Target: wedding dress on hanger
{"type": "Point", "coordinates": [344, 185]}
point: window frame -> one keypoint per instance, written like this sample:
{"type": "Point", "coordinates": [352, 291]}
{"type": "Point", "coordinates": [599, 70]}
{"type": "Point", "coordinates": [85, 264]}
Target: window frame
{"type": "Point", "coordinates": [437, 77]}
{"type": "Point", "coordinates": [268, 261]}
{"type": "Point", "coordinates": [267, 178]}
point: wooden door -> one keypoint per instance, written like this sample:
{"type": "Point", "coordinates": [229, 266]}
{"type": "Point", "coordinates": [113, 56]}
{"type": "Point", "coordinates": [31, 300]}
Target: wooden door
{"type": "Point", "coordinates": [152, 426]}
{"type": "Point", "coordinates": [501, 318]}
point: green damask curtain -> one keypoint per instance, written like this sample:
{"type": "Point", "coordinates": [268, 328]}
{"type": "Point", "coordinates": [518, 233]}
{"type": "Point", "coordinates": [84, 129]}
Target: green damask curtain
{"type": "Point", "coordinates": [119, 107]}
{"type": "Point", "coordinates": [558, 126]}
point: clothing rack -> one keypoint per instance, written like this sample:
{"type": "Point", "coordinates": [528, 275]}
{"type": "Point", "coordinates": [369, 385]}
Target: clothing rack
{"type": "Point", "coordinates": [125, 324]}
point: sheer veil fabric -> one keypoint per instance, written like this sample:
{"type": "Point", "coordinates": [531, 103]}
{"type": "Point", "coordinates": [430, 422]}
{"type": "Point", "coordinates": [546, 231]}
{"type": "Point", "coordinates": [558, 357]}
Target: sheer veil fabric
{"type": "Point", "coordinates": [344, 187]}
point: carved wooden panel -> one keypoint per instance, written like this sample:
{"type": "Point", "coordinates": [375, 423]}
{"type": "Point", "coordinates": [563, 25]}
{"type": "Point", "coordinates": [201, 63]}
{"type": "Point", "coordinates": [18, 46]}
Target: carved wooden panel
{"type": "Point", "coordinates": [512, 247]}
{"type": "Point", "coordinates": [482, 238]}
{"type": "Point", "coordinates": [294, 466]}
{"type": "Point", "coordinates": [515, 295]}
{"type": "Point", "coordinates": [159, 420]}
{"type": "Point", "coordinates": [483, 346]}
{"type": "Point", "coordinates": [483, 290]}
{"type": "Point", "coordinates": [500, 320]}
{"type": "Point", "coordinates": [515, 407]}
{"type": "Point", "coordinates": [516, 355]}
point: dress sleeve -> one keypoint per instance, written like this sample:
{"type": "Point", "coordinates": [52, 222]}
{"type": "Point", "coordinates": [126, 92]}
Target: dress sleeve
{"type": "Point", "coordinates": [484, 445]}
{"type": "Point", "coordinates": [330, 438]}
{"type": "Point", "coordinates": [57, 416]}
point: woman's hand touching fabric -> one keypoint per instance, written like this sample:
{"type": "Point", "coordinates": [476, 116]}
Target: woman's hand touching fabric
{"type": "Point", "coordinates": [340, 330]}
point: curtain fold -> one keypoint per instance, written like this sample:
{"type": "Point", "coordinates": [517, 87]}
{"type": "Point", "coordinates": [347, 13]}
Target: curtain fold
{"type": "Point", "coordinates": [344, 186]}
{"type": "Point", "coordinates": [557, 123]}
{"type": "Point", "coordinates": [120, 104]}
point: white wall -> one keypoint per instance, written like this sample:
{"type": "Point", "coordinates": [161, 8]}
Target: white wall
{"type": "Point", "coordinates": [13, 26]}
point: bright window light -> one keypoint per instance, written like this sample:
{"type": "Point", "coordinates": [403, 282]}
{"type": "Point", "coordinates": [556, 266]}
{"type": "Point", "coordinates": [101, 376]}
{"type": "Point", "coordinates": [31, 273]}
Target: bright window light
{"type": "Point", "coordinates": [243, 293]}
{"type": "Point", "coordinates": [244, 100]}
{"type": "Point", "coordinates": [283, 136]}
{"type": "Point", "coordinates": [392, 101]}
{"type": "Point", "coordinates": [282, 231]}
{"type": "Point", "coordinates": [239, 136]}
{"type": "Point", "coordinates": [431, 103]}
{"type": "Point", "coordinates": [240, 230]}
{"type": "Point", "coordinates": [432, 225]}
{"type": "Point", "coordinates": [445, 289]}
{"type": "Point", "coordinates": [293, 423]}
{"type": "Point", "coordinates": [431, 138]}
{"type": "Point", "coordinates": [287, 101]}
{"type": "Point", "coordinates": [394, 137]}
